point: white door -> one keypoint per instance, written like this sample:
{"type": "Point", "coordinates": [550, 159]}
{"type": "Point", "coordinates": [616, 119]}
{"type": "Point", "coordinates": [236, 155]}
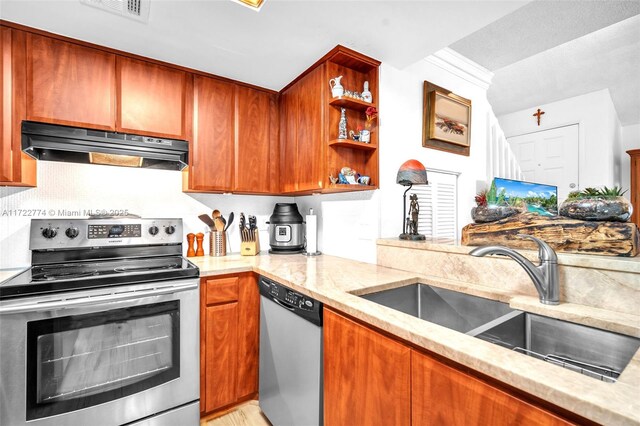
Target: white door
{"type": "Point", "coordinates": [549, 157]}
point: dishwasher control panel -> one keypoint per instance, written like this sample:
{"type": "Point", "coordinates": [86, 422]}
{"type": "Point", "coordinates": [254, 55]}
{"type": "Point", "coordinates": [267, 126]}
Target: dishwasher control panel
{"type": "Point", "coordinates": [300, 304]}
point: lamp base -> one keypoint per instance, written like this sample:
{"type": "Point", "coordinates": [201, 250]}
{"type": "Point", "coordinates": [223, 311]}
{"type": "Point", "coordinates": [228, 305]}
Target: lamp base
{"type": "Point", "coordinates": [412, 237]}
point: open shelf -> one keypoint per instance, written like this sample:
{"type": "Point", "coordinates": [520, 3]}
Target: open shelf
{"type": "Point", "coordinates": [339, 187]}
{"type": "Point", "coordinates": [348, 143]}
{"type": "Point", "coordinates": [351, 103]}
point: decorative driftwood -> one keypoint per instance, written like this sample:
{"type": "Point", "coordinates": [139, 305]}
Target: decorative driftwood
{"type": "Point", "coordinates": [561, 233]}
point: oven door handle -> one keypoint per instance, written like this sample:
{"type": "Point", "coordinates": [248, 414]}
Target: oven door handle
{"type": "Point", "coordinates": [94, 300]}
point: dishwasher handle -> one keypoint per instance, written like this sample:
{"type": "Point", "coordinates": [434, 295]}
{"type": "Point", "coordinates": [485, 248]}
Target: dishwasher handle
{"type": "Point", "coordinates": [284, 304]}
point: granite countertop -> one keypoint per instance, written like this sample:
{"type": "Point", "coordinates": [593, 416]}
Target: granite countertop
{"type": "Point", "coordinates": [336, 282]}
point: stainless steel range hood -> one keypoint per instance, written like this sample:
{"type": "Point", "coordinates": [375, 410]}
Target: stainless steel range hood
{"type": "Point", "coordinates": [49, 142]}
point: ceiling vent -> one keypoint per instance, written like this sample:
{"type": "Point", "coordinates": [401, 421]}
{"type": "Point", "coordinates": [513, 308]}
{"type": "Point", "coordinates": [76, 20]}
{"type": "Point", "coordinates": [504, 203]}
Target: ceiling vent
{"type": "Point", "coordinates": [134, 9]}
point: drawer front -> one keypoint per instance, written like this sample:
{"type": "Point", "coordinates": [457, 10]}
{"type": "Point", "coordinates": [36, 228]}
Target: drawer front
{"type": "Point", "coordinates": [222, 290]}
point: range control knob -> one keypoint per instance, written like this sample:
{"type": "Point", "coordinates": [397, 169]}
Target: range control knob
{"type": "Point", "coordinates": [170, 229]}
{"type": "Point", "coordinates": [72, 232]}
{"type": "Point", "coordinates": [153, 230]}
{"type": "Point", "coordinates": [49, 232]}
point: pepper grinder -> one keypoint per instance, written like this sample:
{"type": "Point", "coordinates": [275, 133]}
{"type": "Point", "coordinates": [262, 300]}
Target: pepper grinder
{"type": "Point", "coordinates": [190, 238]}
{"type": "Point", "coordinates": [200, 248]}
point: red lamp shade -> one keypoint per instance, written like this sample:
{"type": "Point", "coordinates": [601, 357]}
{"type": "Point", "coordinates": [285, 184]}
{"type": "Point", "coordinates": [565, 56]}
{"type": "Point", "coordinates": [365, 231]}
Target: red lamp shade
{"type": "Point", "coordinates": [412, 172]}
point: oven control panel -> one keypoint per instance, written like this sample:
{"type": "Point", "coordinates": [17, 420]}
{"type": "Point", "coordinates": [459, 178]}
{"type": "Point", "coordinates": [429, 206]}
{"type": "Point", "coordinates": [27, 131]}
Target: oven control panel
{"type": "Point", "coordinates": [115, 231]}
{"type": "Point", "coordinates": [52, 234]}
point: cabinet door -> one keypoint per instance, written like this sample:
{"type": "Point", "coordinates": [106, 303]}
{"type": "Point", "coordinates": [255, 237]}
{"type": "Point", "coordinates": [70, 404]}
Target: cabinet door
{"type": "Point", "coordinates": [366, 375]}
{"type": "Point", "coordinates": [70, 84]}
{"type": "Point", "coordinates": [310, 132]}
{"type": "Point", "coordinates": [153, 99]}
{"type": "Point", "coordinates": [221, 355]}
{"type": "Point", "coordinates": [288, 139]}
{"type": "Point", "coordinates": [212, 153]}
{"type": "Point", "coordinates": [442, 395]}
{"type": "Point", "coordinates": [16, 168]}
{"type": "Point", "coordinates": [219, 359]}
{"type": "Point", "coordinates": [256, 155]}
{"type": "Point", "coordinates": [248, 336]}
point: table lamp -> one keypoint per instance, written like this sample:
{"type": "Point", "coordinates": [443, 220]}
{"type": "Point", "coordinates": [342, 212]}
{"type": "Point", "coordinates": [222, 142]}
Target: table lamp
{"type": "Point", "coordinates": [411, 172]}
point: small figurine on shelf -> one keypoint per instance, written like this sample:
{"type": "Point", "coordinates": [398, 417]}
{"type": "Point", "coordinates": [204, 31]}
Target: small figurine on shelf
{"type": "Point", "coordinates": [355, 136]}
{"type": "Point", "coordinates": [342, 125]}
{"type": "Point", "coordinates": [336, 88]}
{"type": "Point", "coordinates": [366, 94]}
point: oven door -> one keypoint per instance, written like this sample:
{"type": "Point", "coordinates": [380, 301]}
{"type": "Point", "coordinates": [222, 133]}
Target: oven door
{"type": "Point", "coordinates": [109, 356]}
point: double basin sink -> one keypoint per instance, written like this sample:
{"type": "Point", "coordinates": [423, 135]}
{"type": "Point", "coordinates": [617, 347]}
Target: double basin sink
{"type": "Point", "coordinates": [596, 353]}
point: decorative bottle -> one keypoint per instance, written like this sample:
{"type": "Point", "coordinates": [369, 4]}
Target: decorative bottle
{"type": "Point", "coordinates": [342, 126]}
{"type": "Point", "coordinates": [366, 94]}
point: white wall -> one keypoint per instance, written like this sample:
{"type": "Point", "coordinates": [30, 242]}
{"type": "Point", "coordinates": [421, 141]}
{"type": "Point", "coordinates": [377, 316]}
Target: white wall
{"type": "Point", "coordinates": [630, 140]}
{"type": "Point", "coordinates": [148, 193]}
{"type": "Point", "coordinates": [350, 223]}
{"type": "Point", "coordinates": [599, 161]}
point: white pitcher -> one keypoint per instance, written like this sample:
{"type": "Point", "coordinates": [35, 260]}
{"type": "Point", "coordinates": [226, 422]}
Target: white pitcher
{"type": "Point", "coordinates": [336, 87]}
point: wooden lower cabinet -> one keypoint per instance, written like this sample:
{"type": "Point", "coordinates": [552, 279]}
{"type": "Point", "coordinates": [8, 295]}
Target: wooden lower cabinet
{"type": "Point", "coordinates": [442, 395]}
{"type": "Point", "coordinates": [229, 339]}
{"type": "Point", "coordinates": [366, 375]}
{"type": "Point", "coordinates": [371, 379]}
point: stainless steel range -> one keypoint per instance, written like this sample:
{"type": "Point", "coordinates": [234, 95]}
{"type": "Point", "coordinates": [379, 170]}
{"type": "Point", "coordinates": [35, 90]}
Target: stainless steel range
{"type": "Point", "coordinates": [103, 328]}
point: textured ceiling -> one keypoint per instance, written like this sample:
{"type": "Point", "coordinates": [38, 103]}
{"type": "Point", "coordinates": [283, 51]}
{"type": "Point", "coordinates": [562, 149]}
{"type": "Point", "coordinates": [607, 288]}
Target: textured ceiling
{"type": "Point", "coordinates": [605, 59]}
{"type": "Point", "coordinates": [551, 50]}
{"type": "Point", "coordinates": [271, 47]}
{"type": "Point", "coordinates": [538, 26]}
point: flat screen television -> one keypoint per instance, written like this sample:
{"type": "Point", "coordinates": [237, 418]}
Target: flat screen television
{"type": "Point", "coordinates": [539, 198]}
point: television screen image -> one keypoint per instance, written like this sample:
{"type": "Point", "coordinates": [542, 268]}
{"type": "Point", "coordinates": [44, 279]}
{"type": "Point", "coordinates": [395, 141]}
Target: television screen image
{"type": "Point", "coordinates": [539, 198]}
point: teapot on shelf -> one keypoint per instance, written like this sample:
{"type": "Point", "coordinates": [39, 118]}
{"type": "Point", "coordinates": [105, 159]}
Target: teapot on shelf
{"type": "Point", "coordinates": [336, 87]}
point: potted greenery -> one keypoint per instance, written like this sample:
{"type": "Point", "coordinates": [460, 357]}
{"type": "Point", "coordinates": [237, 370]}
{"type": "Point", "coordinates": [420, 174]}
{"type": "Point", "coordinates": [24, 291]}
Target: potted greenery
{"type": "Point", "coordinates": [491, 206]}
{"type": "Point", "coordinates": [604, 204]}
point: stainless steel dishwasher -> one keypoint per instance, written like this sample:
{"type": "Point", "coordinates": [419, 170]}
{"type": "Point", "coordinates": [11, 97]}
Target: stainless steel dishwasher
{"type": "Point", "coordinates": [290, 356]}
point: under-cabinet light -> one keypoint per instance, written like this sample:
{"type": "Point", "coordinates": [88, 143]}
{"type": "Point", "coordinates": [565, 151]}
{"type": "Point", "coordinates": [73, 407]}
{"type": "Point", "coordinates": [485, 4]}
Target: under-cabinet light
{"type": "Point", "coordinates": [115, 159]}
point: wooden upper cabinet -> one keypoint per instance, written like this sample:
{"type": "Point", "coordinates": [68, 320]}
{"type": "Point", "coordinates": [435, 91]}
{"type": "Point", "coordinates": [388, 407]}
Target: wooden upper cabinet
{"type": "Point", "coordinates": [70, 84]}
{"type": "Point", "coordinates": [256, 141]}
{"type": "Point", "coordinates": [311, 132]}
{"type": "Point", "coordinates": [302, 134]}
{"type": "Point", "coordinates": [366, 375]}
{"type": "Point", "coordinates": [442, 395]}
{"type": "Point", "coordinates": [16, 168]}
{"type": "Point", "coordinates": [212, 149]}
{"type": "Point", "coordinates": [309, 120]}
{"type": "Point", "coordinates": [288, 140]}
{"type": "Point", "coordinates": [153, 99]}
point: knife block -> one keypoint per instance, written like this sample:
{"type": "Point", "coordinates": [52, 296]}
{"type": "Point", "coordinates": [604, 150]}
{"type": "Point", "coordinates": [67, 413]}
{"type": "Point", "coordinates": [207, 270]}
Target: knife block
{"type": "Point", "coordinates": [250, 248]}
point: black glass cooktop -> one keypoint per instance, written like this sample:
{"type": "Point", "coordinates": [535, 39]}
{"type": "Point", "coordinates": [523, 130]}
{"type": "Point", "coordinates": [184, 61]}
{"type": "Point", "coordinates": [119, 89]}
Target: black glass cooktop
{"type": "Point", "coordinates": [90, 274]}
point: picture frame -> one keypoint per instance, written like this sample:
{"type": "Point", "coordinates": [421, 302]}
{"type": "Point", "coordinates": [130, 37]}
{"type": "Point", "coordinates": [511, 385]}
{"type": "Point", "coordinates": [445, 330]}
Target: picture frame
{"type": "Point", "coordinates": [446, 120]}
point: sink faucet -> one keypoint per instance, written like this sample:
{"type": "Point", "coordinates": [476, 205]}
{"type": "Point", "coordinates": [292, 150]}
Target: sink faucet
{"type": "Point", "coordinates": [544, 276]}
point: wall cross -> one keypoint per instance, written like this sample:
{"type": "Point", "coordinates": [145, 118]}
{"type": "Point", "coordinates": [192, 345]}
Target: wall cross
{"type": "Point", "coordinates": [538, 114]}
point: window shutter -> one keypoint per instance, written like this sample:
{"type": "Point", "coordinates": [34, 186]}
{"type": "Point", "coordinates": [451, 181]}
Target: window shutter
{"type": "Point", "coordinates": [438, 205]}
